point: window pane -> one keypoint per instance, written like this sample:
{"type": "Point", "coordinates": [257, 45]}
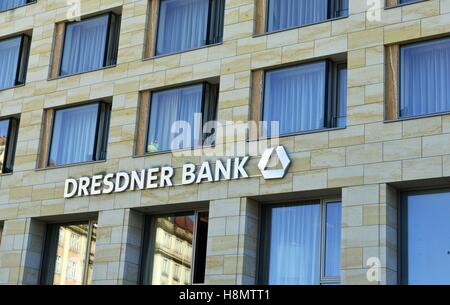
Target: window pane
{"type": "Point", "coordinates": [84, 45]}
{"type": "Point", "coordinates": [342, 103]}
{"type": "Point", "coordinates": [295, 97]}
{"type": "Point", "coordinates": [284, 14]}
{"type": "Point", "coordinates": [4, 127]}
{"type": "Point", "coordinates": [91, 255]}
{"type": "Point", "coordinates": [1, 232]}
{"type": "Point", "coordinates": [9, 59]}
{"type": "Point", "coordinates": [200, 248]}
{"type": "Point", "coordinates": [71, 255]}
{"type": "Point", "coordinates": [172, 119]}
{"type": "Point", "coordinates": [9, 4]}
{"type": "Point", "coordinates": [183, 25]}
{"type": "Point", "coordinates": [74, 133]}
{"type": "Point", "coordinates": [428, 238]}
{"type": "Point", "coordinates": [294, 254]}
{"type": "Point", "coordinates": [165, 257]}
{"type": "Point", "coordinates": [425, 73]}
{"type": "Point", "coordinates": [333, 240]}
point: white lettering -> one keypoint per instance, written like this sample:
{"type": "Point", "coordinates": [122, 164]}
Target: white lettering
{"type": "Point", "coordinates": [108, 185]}
{"type": "Point", "coordinates": [96, 185]}
{"type": "Point", "coordinates": [120, 187]}
{"type": "Point", "coordinates": [71, 193]}
{"type": "Point", "coordinates": [222, 170]}
{"type": "Point", "coordinates": [188, 174]}
{"type": "Point", "coordinates": [239, 168]}
{"type": "Point", "coordinates": [151, 177]}
{"type": "Point", "coordinates": [166, 176]}
{"type": "Point", "coordinates": [138, 180]}
{"type": "Point", "coordinates": [83, 186]}
{"type": "Point", "coordinates": [204, 173]}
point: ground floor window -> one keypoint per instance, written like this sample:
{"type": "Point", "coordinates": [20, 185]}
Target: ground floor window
{"type": "Point", "coordinates": [69, 254]}
{"type": "Point", "coordinates": [301, 243]}
{"type": "Point", "coordinates": [425, 247]}
{"type": "Point", "coordinates": [175, 249]}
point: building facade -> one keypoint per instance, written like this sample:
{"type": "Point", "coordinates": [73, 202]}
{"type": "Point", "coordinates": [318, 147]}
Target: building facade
{"type": "Point", "coordinates": [93, 95]}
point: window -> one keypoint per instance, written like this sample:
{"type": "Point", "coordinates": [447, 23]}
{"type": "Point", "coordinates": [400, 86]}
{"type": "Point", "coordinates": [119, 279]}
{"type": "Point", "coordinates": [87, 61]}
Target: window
{"type": "Point", "coordinates": [10, 4]}
{"type": "Point", "coordinates": [188, 24]}
{"type": "Point", "coordinates": [177, 117]}
{"type": "Point", "coordinates": [1, 232]}
{"type": "Point", "coordinates": [64, 266]}
{"type": "Point", "coordinates": [307, 97]}
{"type": "Point", "coordinates": [74, 242]}
{"type": "Point", "coordinates": [79, 134]}
{"type": "Point", "coordinates": [424, 77]}
{"type": "Point", "coordinates": [425, 238]}
{"type": "Point", "coordinates": [291, 13]}
{"type": "Point", "coordinates": [13, 61]}
{"type": "Point", "coordinates": [301, 243]}
{"type": "Point", "coordinates": [8, 140]}
{"type": "Point", "coordinates": [90, 44]}
{"type": "Point", "coordinates": [392, 3]}
{"type": "Point", "coordinates": [191, 228]}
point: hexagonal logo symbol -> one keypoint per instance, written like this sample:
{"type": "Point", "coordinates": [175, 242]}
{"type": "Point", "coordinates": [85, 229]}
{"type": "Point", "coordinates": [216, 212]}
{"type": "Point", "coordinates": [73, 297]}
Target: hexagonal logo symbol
{"type": "Point", "coordinates": [274, 173]}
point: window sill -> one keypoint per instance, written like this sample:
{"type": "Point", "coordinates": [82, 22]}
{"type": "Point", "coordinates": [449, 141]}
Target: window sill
{"type": "Point", "coordinates": [13, 87]}
{"type": "Point", "coordinates": [166, 152]}
{"type": "Point", "coordinates": [80, 73]}
{"type": "Point", "coordinates": [298, 133]}
{"type": "Point", "coordinates": [255, 35]}
{"type": "Point", "coordinates": [417, 117]}
{"type": "Point", "coordinates": [16, 7]}
{"type": "Point", "coordinates": [182, 51]}
{"type": "Point", "coordinates": [70, 165]}
{"type": "Point", "coordinates": [6, 174]}
{"type": "Point", "coordinates": [402, 4]}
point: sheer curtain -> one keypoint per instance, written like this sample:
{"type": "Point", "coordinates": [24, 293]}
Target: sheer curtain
{"type": "Point", "coordinates": [173, 109]}
{"type": "Point", "coordinates": [9, 58]}
{"type": "Point", "coordinates": [333, 239]}
{"type": "Point", "coordinates": [74, 133]}
{"type": "Point", "coordinates": [295, 245]}
{"type": "Point", "coordinates": [182, 25]}
{"type": "Point", "coordinates": [8, 4]}
{"type": "Point", "coordinates": [425, 76]}
{"type": "Point", "coordinates": [295, 97]}
{"type": "Point", "coordinates": [84, 45]}
{"type": "Point", "coordinates": [284, 14]}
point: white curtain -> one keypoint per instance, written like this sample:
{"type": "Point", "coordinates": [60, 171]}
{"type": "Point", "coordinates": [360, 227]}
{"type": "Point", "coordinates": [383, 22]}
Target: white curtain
{"type": "Point", "coordinates": [174, 107]}
{"type": "Point", "coordinates": [9, 58]}
{"type": "Point", "coordinates": [84, 45]}
{"type": "Point", "coordinates": [74, 133]}
{"type": "Point", "coordinates": [284, 14]}
{"type": "Point", "coordinates": [182, 25]}
{"type": "Point", "coordinates": [333, 239]}
{"type": "Point", "coordinates": [295, 245]}
{"type": "Point", "coordinates": [295, 97]}
{"type": "Point", "coordinates": [8, 4]}
{"type": "Point", "coordinates": [425, 76]}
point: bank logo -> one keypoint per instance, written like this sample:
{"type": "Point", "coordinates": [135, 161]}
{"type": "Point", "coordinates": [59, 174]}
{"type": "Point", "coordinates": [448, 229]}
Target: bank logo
{"type": "Point", "coordinates": [277, 173]}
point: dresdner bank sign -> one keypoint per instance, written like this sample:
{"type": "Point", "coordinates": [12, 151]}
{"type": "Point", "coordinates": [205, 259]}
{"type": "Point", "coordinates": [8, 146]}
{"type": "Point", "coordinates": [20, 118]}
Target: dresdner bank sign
{"type": "Point", "coordinates": [158, 177]}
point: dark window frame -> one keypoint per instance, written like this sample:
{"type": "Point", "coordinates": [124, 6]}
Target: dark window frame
{"type": "Point", "coordinates": [111, 48]}
{"type": "Point", "coordinates": [22, 60]}
{"type": "Point", "coordinates": [149, 239]}
{"type": "Point", "coordinates": [28, 2]}
{"type": "Point", "coordinates": [331, 15]}
{"type": "Point", "coordinates": [11, 144]}
{"type": "Point", "coordinates": [210, 95]}
{"type": "Point", "coordinates": [101, 133]}
{"type": "Point", "coordinates": [263, 254]}
{"type": "Point", "coordinates": [402, 229]}
{"type": "Point", "coordinates": [332, 97]}
{"type": "Point", "coordinates": [399, 115]}
{"type": "Point", "coordinates": [214, 28]}
{"type": "Point", "coordinates": [48, 265]}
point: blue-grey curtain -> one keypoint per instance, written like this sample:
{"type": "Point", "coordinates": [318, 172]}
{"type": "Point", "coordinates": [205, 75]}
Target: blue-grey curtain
{"type": "Point", "coordinates": [295, 97]}
{"type": "Point", "coordinates": [74, 133]}
{"type": "Point", "coordinates": [183, 25]}
{"type": "Point", "coordinates": [295, 245]}
{"type": "Point", "coordinates": [425, 76]}
{"type": "Point", "coordinates": [170, 110]}
{"type": "Point", "coordinates": [84, 45]}
{"type": "Point", "coordinates": [341, 116]}
{"type": "Point", "coordinates": [284, 14]}
{"type": "Point", "coordinates": [4, 127]}
{"type": "Point", "coordinates": [333, 239]}
{"type": "Point", "coordinates": [9, 58]}
{"type": "Point", "coordinates": [8, 4]}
